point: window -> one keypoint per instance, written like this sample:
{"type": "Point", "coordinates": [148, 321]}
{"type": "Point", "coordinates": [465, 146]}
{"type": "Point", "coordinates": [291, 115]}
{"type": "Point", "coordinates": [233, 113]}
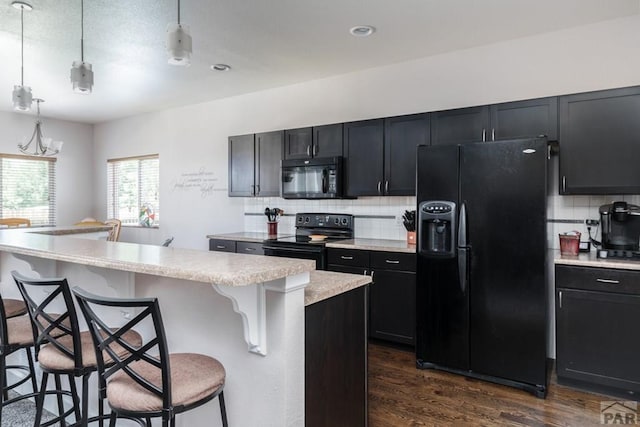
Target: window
{"type": "Point", "coordinates": [133, 190]}
{"type": "Point", "coordinates": [28, 186]}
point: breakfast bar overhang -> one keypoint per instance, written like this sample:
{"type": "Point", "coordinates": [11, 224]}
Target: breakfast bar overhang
{"type": "Point", "coordinates": [253, 321]}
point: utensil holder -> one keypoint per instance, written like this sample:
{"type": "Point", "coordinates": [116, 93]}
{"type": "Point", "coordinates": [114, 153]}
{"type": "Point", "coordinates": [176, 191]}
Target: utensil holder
{"type": "Point", "coordinates": [272, 228]}
{"type": "Point", "coordinates": [411, 237]}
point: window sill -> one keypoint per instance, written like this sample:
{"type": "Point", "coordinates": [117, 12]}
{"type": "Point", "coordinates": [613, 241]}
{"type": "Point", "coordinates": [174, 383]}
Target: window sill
{"type": "Point", "coordinates": [140, 226]}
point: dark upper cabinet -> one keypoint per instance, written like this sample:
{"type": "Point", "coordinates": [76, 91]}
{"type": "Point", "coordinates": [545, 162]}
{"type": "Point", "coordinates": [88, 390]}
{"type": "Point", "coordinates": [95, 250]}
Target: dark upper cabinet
{"type": "Point", "coordinates": [460, 126]}
{"type": "Point", "coordinates": [298, 143]}
{"type": "Point", "coordinates": [402, 135]}
{"type": "Point", "coordinates": [318, 141]}
{"type": "Point", "coordinates": [600, 142]}
{"type": "Point", "coordinates": [254, 164]}
{"type": "Point", "coordinates": [241, 165]}
{"type": "Point", "coordinates": [522, 119]}
{"type": "Point", "coordinates": [327, 140]}
{"type": "Point", "coordinates": [364, 158]}
{"type": "Point", "coordinates": [268, 157]}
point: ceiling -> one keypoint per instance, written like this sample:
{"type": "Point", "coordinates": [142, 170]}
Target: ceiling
{"type": "Point", "coordinates": [268, 43]}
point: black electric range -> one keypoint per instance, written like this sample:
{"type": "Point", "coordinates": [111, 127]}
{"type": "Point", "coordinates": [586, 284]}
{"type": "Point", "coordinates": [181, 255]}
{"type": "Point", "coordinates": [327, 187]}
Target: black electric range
{"type": "Point", "coordinates": [313, 231]}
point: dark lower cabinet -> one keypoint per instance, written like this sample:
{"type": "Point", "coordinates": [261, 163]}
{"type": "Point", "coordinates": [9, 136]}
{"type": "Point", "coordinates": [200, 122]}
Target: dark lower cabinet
{"type": "Point", "coordinates": [597, 313]}
{"type": "Point", "coordinates": [336, 361]}
{"type": "Point", "coordinates": [392, 295]}
{"type": "Point", "coordinates": [236, 246]}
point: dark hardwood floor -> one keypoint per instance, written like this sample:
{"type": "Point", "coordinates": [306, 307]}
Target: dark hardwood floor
{"type": "Point", "coordinates": [401, 395]}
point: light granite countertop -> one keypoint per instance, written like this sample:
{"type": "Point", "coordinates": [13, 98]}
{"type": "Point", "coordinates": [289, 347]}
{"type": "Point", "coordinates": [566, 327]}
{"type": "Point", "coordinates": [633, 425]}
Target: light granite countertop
{"type": "Point", "coordinates": [188, 264]}
{"type": "Point", "coordinates": [374, 245]}
{"type": "Point", "coordinates": [326, 284]}
{"type": "Point", "coordinates": [591, 260]}
{"type": "Point", "coordinates": [244, 236]}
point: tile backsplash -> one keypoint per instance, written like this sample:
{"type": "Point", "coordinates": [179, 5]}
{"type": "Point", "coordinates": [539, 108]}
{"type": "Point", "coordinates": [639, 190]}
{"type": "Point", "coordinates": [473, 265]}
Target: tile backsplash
{"type": "Point", "coordinates": [375, 217]}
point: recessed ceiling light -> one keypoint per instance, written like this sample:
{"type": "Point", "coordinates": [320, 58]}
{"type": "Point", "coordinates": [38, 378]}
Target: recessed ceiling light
{"type": "Point", "coordinates": [220, 67]}
{"type": "Point", "coordinates": [362, 30]}
{"type": "Point", "coordinates": [21, 5]}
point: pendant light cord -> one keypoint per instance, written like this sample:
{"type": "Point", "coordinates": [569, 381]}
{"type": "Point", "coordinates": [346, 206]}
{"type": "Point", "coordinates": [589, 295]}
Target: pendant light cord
{"type": "Point", "coordinates": [178, 13]}
{"type": "Point", "coordinates": [22, 45]}
{"type": "Point", "coordinates": [82, 31]}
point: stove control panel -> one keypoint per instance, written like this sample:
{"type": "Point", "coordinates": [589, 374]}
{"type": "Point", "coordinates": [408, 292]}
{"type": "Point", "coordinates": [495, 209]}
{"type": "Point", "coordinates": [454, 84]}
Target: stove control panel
{"type": "Point", "coordinates": [322, 220]}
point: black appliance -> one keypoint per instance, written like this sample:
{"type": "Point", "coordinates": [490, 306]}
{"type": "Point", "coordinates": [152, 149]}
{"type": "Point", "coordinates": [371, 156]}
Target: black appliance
{"type": "Point", "coordinates": [481, 246]}
{"type": "Point", "coordinates": [620, 226]}
{"type": "Point", "coordinates": [313, 230]}
{"type": "Point", "coordinates": [319, 178]}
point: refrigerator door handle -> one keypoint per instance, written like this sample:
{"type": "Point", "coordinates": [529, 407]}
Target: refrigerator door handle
{"type": "Point", "coordinates": [463, 248]}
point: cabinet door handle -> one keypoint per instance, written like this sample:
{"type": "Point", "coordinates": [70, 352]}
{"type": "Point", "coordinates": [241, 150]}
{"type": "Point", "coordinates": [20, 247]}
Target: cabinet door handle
{"type": "Point", "coordinates": [386, 187]}
{"type": "Point", "coordinates": [391, 261]}
{"type": "Point", "coordinates": [372, 274]}
{"type": "Point", "coordinates": [253, 190]}
{"type": "Point", "coordinates": [493, 134]}
{"type": "Point", "coordinates": [221, 247]}
{"type": "Point", "coordinates": [613, 282]}
{"type": "Point", "coordinates": [257, 189]}
{"type": "Point", "coordinates": [484, 135]}
{"type": "Point", "coordinates": [346, 257]}
{"type": "Point", "coordinates": [564, 183]}
{"type": "Point", "coordinates": [308, 150]}
{"type": "Point", "coordinates": [250, 249]}
{"type": "Point", "coordinates": [315, 150]}
{"type": "Point", "coordinates": [560, 299]}
{"type": "Point", "coordinates": [379, 187]}
{"type": "Point", "coordinates": [365, 272]}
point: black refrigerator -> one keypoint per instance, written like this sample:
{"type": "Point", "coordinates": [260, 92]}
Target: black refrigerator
{"type": "Point", "coordinates": [481, 274]}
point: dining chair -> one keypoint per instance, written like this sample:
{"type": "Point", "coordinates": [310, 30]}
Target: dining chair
{"type": "Point", "coordinates": [61, 349]}
{"type": "Point", "coordinates": [15, 222]}
{"type": "Point", "coordinates": [149, 382]}
{"type": "Point", "coordinates": [114, 234]}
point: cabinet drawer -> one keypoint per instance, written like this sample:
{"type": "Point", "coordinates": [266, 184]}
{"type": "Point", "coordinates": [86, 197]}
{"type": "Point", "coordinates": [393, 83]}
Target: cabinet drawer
{"type": "Point", "coordinates": [393, 261]}
{"type": "Point", "coordinates": [351, 257]}
{"type": "Point", "coordinates": [222, 245]}
{"type": "Point", "coordinates": [598, 279]}
{"type": "Point", "coordinates": [249, 248]}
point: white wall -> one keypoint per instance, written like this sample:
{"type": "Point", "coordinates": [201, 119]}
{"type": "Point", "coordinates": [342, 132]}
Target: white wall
{"type": "Point", "coordinates": [73, 170]}
{"type": "Point", "coordinates": [192, 138]}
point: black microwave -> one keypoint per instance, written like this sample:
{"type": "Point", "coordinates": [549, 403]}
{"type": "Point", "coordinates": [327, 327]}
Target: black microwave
{"type": "Point", "coordinates": [319, 178]}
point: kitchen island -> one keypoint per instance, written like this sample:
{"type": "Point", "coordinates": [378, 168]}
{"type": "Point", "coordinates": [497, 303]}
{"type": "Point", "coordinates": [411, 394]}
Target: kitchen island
{"type": "Point", "coordinates": [253, 321]}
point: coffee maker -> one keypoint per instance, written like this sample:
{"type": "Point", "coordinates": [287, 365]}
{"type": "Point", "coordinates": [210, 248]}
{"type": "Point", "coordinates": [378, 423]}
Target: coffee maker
{"type": "Point", "coordinates": [620, 227]}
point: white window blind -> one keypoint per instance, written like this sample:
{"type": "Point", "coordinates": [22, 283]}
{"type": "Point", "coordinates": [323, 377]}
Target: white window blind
{"type": "Point", "coordinates": [133, 190]}
{"type": "Point", "coordinates": [28, 188]}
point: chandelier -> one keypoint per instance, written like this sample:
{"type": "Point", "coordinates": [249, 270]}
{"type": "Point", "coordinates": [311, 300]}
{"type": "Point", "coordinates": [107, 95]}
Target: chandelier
{"type": "Point", "coordinates": [41, 146]}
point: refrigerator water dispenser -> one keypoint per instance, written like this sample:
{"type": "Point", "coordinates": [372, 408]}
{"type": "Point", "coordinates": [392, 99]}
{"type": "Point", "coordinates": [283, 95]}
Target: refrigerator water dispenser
{"type": "Point", "coordinates": [436, 226]}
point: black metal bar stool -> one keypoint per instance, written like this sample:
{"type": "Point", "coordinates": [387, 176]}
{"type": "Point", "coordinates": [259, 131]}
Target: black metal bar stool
{"type": "Point", "coordinates": [148, 381]}
{"type": "Point", "coordinates": [15, 334]}
{"type": "Point", "coordinates": [61, 348]}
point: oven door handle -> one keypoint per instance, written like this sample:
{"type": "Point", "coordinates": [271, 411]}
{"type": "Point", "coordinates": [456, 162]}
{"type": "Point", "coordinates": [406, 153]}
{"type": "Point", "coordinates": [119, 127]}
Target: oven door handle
{"type": "Point", "coordinates": [280, 249]}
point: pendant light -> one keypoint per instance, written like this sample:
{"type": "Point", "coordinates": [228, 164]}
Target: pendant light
{"type": "Point", "coordinates": [179, 43]}
{"type": "Point", "coordinates": [22, 97]}
{"type": "Point", "coordinates": [41, 146]}
{"type": "Point", "coordinates": [82, 72]}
